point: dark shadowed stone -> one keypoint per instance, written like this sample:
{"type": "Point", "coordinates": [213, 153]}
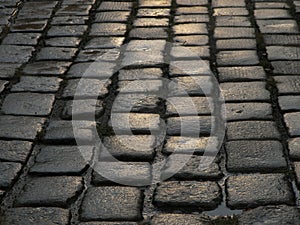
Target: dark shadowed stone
{"type": "Point", "coordinates": [286, 67]}
{"type": "Point", "coordinates": [8, 70]}
{"type": "Point", "coordinates": [35, 216]}
{"type": "Point", "coordinates": [269, 215]}
{"type": "Point", "coordinates": [245, 191]}
{"type": "Point", "coordinates": [108, 29]}
{"type": "Point", "coordinates": [15, 151]}
{"type": "Point", "coordinates": [20, 127]}
{"type": "Point", "coordinates": [190, 125]}
{"type": "Point", "coordinates": [140, 74]}
{"type": "Point", "coordinates": [245, 73]}
{"type": "Point", "coordinates": [138, 123]}
{"type": "Point", "coordinates": [56, 53]}
{"type": "Point", "coordinates": [292, 123]}
{"type": "Point", "coordinates": [297, 172]}
{"type": "Point", "coordinates": [290, 102]}
{"type": "Point", "coordinates": [50, 191]}
{"type": "Point", "coordinates": [189, 145]}
{"type": "Point", "coordinates": [2, 85]}
{"type": "Point", "coordinates": [15, 53]}
{"type": "Point", "coordinates": [255, 156]}
{"type": "Point", "coordinates": [63, 42]}
{"type": "Point", "coordinates": [237, 58]}
{"type": "Point", "coordinates": [288, 84]}
{"type": "Point", "coordinates": [179, 219]}
{"type": "Point", "coordinates": [67, 31]}
{"type": "Point", "coordinates": [108, 223]}
{"type": "Point", "coordinates": [49, 67]}
{"type": "Point", "coordinates": [88, 110]}
{"type": "Point", "coordinates": [61, 160]}
{"type": "Point", "coordinates": [294, 147]}
{"type": "Point", "coordinates": [112, 203]}
{"type": "Point", "coordinates": [191, 169]}
{"type": "Point", "coordinates": [252, 130]}
{"type": "Point", "coordinates": [37, 84]}
{"type": "Point", "coordinates": [131, 147]}
{"type": "Point", "coordinates": [245, 91]}
{"type": "Point", "coordinates": [248, 111]}
{"type": "Point", "coordinates": [21, 39]}
{"type": "Point", "coordinates": [181, 106]}
{"type": "Point", "coordinates": [131, 173]}
{"type": "Point", "coordinates": [30, 104]}
{"type": "Point", "coordinates": [75, 9]}
{"type": "Point", "coordinates": [62, 131]}
{"type": "Point", "coordinates": [30, 26]}
{"type": "Point", "coordinates": [8, 173]}
{"type": "Point", "coordinates": [181, 194]}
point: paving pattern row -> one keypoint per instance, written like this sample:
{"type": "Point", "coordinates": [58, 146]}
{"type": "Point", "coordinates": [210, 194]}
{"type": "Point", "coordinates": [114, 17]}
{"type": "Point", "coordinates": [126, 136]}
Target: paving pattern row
{"type": "Point", "coordinates": [49, 47]}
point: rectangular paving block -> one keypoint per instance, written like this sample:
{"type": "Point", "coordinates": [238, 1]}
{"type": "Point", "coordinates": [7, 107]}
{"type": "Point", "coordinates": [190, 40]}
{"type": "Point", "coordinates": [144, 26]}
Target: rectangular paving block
{"type": "Point", "coordinates": [294, 148]}
{"type": "Point", "coordinates": [241, 73]}
{"type": "Point", "coordinates": [8, 173]}
{"type": "Point", "coordinates": [286, 67]}
{"type": "Point", "coordinates": [237, 58]}
{"type": "Point", "coordinates": [292, 123]}
{"type": "Point", "coordinates": [15, 151]}
{"type": "Point", "coordinates": [178, 219]}
{"type": "Point", "coordinates": [112, 203]}
{"type": "Point", "coordinates": [245, 191]}
{"type": "Point", "coordinates": [288, 84]}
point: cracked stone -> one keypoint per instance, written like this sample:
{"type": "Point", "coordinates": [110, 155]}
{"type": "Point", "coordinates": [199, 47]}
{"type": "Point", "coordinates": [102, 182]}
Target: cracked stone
{"type": "Point", "coordinates": [67, 31]}
{"type": "Point", "coordinates": [8, 173]}
{"type": "Point", "coordinates": [248, 111]}
{"type": "Point", "coordinates": [15, 53]}
{"type": "Point", "coordinates": [131, 147]}
{"type": "Point", "coordinates": [237, 58]}
{"type": "Point", "coordinates": [242, 195]}
{"type": "Point", "coordinates": [108, 29]}
{"type": "Point", "coordinates": [37, 84]}
{"type": "Point", "coordinates": [50, 191]}
{"type": "Point", "coordinates": [112, 203]}
{"type": "Point", "coordinates": [20, 127]}
{"type": "Point", "coordinates": [30, 104]}
{"type": "Point", "coordinates": [205, 195]}
{"type": "Point", "coordinates": [252, 130]}
{"type": "Point", "coordinates": [190, 125]}
{"type": "Point", "coordinates": [255, 156]}
{"type": "Point", "coordinates": [245, 91]}
{"type": "Point", "coordinates": [15, 151]}
{"type": "Point", "coordinates": [268, 215]}
{"type": "Point", "coordinates": [38, 215]}
{"type": "Point", "coordinates": [88, 111]}
{"type": "Point", "coordinates": [21, 39]}
{"type": "Point", "coordinates": [46, 68]}
{"type": "Point", "coordinates": [292, 123]}
{"type": "Point", "coordinates": [58, 160]}
{"type": "Point", "coordinates": [245, 73]}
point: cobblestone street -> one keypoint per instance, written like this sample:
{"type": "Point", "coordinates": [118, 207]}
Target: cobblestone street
{"type": "Point", "coordinates": [121, 52]}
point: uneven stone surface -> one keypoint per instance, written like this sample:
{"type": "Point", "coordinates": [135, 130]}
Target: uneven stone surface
{"type": "Point", "coordinates": [8, 173]}
{"type": "Point", "coordinates": [126, 204]}
{"type": "Point", "coordinates": [15, 151]}
{"type": "Point", "coordinates": [177, 219]}
{"type": "Point", "coordinates": [245, 73]}
{"type": "Point", "coordinates": [259, 193]}
{"type": "Point", "coordinates": [291, 121]}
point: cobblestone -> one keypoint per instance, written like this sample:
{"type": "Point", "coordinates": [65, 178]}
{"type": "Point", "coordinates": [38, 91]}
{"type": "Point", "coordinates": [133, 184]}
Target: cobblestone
{"type": "Point", "coordinates": [291, 120]}
{"type": "Point", "coordinates": [15, 151]}
{"type": "Point", "coordinates": [294, 150]}
{"type": "Point", "coordinates": [63, 42]}
{"type": "Point", "coordinates": [177, 219]}
{"type": "Point", "coordinates": [245, 73]}
{"type": "Point", "coordinates": [46, 68]}
{"type": "Point", "coordinates": [15, 54]}
{"type": "Point", "coordinates": [237, 58]}
{"type": "Point", "coordinates": [9, 172]}
{"type": "Point", "coordinates": [21, 39]}
{"type": "Point", "coordinates": [288, 84]}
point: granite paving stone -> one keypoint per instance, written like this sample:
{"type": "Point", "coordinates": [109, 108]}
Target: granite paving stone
{"type": "Point", "coordinates": [230, 12]}
{"type": "Point", "coordinates": [15, 151]}
{"type": "Point", "coordinates": [151, 22]}
{"type": "Point", "coordinates": [255, 156]}
{"type": "Point", "coordinates": [97, 204]}
{"type": "Point", "coordinates": [292, 123]}
{"type": "Point", "coordinates": [7, 71]}
{"type": "Point", "coordinates": [281, 214]}
{"type": "Point", "coordinates": [20, 127]}
{"type": "Point", "coordinates": [181, 194]}
{"type": "Point", "coordinates": [63, 42]}
{"type": "Point", "coordinates": [241, 73]}
{"type": "Point", "coordinates": [114, 16]}
{"type": "Point", "coordinates": [69, 20]}
{"type": "Point", "coordinates": [30, 104]}
{"type": "Point", "coordinates": [46, 68]}
{"type": "Point", "coordinates": [234, 32]}
{"type": "Point", "coordinates": [50, 191]}
{"type": "Point", "coordinates": [294, 148]}
{"type": "Point", "coordinates": [178, 219]}
{"type": "Point", "coordinates": [288, 84]}
{"type": "Point", "coordinates": [37, 84]}
{"type": "Point", "coordinates": [286, 67]}
{"type": "Point", "coordinates": [230, 44]}
{"type": "Point", "coordinates": [2, 85]}
{"type": "Point", "coordinates": [115, 6]}
{"type": "Point", "coordinates": [67, 31]}
{"type": "Point", "coordinates": [228, 3]}
{"type": "Point", "coordinates": [259, 193]}
{"type": "Point", "coordinates": [273, 5]}
{"type": "Point", "coordinates": [278, 26]}
{"type": "Point", "coordinates": [191, 2]}
{"type": "Point", "coordinates": [232, 21]}
{"type": "Point", "coordinates": [148, 33]}
{"type": "Point", "coordinates": [37, 215]}
{"type": "Point", "coordinates": [74, 10]}
{"type": "Point", "coordinates": [8, 173]}
{"type": "Point", "coordinates": [140, 74]}
{"type": "Point", "coordinates": [237, 58]}
{"type": "Point", "coordinates": [289, 102]}
{"type": "Point", "coordinates": [191, 10]}
{"type": "Point", "coordinates": [15, 53]}
{"type": "Point", "coordinates": [245, 91]}
{"type": "Point", "coordinates": [56, 53]}
{"type": "Point", "coordinates": [154, 4]}
{"type": "Point", "coordinates": [272, 14]}
{"type": "Point", "coordinates": [252, 130]}
{"type": "Point", "coordinates": [140, 86]}
{"type": "Point", "coordinates": [191, 40]}
{"type": "Point", "coordinates": [153, 12]}
{"type": "Point", "coordinates": [61, 160]}
{"type": "Point", "coordinates": [283, 53]}
{"type": "Point", "coordinates": [282, 40]}
{"type": "Point", "coordinates": [104, 42]}
{"type": "Point", "coordinates": [108, 29]}
{"type": "Point", "coordinates": [21, 39]}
